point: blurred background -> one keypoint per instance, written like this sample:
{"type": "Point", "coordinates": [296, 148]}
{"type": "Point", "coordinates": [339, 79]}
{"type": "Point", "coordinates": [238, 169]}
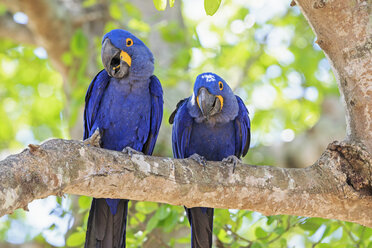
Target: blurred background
{"type": "Point", "coordinates": [265, 50]}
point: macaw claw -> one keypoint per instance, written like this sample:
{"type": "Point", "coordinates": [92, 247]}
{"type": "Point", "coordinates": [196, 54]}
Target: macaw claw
{"type": "Point", "coordinates": [232, 159]}
{"type": "Point", "coordinates": [199, 159]}
{"type": "Point", "coordinates": [130, 151]}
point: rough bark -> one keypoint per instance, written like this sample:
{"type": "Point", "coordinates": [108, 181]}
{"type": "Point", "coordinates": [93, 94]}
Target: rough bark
{"type": "Point", "coordinates": [344, 32]}
{"type": "Point", "coordinates": [337, 186]}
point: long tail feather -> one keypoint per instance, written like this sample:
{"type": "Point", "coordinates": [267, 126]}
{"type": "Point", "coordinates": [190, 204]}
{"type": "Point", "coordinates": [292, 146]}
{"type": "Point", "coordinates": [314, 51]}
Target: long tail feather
{"type": "Point", "coordinates": [105, 229]}
{"type": "Point", "coordinates": [201, 221]}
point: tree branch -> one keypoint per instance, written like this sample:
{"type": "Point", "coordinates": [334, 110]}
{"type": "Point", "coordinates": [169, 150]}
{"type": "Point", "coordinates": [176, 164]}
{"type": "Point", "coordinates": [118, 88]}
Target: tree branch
{"type": "Point", "coordinates": [337, 186]}
{"type": "Point", "coordinates": [14, 31]}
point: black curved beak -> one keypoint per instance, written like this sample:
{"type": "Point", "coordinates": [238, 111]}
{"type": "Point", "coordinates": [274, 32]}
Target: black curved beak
{"type": "Point", "coordinates": [208, 103]}
{"type": "Point", "coordinates": [111, 59]}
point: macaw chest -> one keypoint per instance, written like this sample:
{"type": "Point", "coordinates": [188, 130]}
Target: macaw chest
{"type": "Point", "coordinates": [214, 143]}
{"type": "Point", "coordinates": [124, 117]}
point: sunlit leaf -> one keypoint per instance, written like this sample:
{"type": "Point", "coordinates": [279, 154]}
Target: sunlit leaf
{"type": "Point", "coordinates": [260, 233]}
{"type": "Point", "coordinates": [160, 4]}
{"type": "Point", "coordinates": [76, 239]}
{"type": "Point", "coordinates": [153, 222]}
{"type": "Point", "coordinates": [211, 6]}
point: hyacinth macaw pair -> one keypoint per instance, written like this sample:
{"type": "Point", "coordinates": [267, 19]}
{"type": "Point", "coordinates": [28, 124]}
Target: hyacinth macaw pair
{"type": "Point", "coordinates": [125, 102]}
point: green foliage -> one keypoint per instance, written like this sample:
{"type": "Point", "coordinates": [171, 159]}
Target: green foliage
{"type": "Point", "coordinates": [27, 85]}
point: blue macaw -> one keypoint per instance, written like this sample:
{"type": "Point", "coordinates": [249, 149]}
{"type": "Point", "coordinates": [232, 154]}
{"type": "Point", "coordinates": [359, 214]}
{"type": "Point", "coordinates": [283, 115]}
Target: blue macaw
{"type": "Point", "coordinates": [212, 124]}
{"type": "Point", "coordinates": [125, 102]}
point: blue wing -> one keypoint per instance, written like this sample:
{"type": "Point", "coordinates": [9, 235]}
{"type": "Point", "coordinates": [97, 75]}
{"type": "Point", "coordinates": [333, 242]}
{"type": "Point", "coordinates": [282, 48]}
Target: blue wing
{"type": "Point", "coordinates": [156, 114]}
{"type": "Point", "coordinates": [93, 100]}
{"type": "Point", "coordinates": [242, 130]}
{"type": "Point", "coordinates": [181, 131]}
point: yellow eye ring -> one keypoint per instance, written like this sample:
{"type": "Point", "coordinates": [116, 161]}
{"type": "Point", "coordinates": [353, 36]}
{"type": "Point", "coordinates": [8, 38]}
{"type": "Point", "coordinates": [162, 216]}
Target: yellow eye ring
{"type": "Point", "coordinates": [220, 85]}
{"type": "Point", "coordinates": [129, 42]}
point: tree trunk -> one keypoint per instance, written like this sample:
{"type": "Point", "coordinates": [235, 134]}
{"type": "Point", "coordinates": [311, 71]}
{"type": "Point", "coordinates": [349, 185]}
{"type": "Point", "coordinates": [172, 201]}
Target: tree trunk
{"type": "Point", "coordinates": [344, 32]}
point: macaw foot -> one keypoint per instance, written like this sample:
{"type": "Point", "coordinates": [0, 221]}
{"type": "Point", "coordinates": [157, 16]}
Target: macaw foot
{"type": "Point", "coordinates": [94, 139]}
{"type": "Point", "coordinates": [199, 159]}
{"type": "Point", "coordinates": [130, 151]}
{"type": "Point", "coordinates": [232, 159]}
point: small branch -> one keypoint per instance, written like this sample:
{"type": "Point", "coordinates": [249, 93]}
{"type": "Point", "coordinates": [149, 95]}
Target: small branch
{"type": "Point", "coordinates": [67, 166]}
{"type": "Point", "coordinates": [236, 235]}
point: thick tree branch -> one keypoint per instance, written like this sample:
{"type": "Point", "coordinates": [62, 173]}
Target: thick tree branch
{"type": "Point", "coordinates": [344, 32]}
{"type": "Point", "coordinates": [14, 31]}
{"type": "Point", "coordinates": [337, 186]}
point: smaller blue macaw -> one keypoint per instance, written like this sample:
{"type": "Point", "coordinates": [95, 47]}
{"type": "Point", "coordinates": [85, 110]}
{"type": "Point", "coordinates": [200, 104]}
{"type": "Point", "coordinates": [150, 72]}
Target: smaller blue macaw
{"type": "Point", "coordinates": [212, 124]}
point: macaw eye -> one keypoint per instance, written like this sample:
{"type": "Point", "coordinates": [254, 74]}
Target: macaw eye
{"type": "Point", "coordinates": [220, 85]}
{"type": "Point", "coordinates": [129, 42]}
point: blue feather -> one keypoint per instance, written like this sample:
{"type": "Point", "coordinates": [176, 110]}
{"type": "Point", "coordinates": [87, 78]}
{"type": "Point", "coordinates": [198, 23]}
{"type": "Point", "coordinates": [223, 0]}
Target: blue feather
{"type": "Point", "coordinates": [242, 128]}
{"type": "Point", "coordinates": [92, 100]}
{"type": "Point", "coordinates": [156, 92]}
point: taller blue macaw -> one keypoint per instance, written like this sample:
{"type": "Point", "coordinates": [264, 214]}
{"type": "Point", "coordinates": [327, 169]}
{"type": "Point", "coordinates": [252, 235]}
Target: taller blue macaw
{"type": "Point", "coordinates": [212, 124]}
{"type": "Point", "coordinates": [125, 102]}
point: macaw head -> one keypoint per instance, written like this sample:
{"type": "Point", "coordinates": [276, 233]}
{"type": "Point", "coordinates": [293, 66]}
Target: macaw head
{"type": "Point", "coordinates": [123, 54]}
{"type": "Point", "coordinates": [214, 97]}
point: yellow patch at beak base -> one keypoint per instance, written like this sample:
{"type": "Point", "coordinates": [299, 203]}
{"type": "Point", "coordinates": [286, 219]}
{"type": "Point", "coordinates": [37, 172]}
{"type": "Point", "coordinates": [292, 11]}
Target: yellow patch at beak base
{"type": "Point", "coordinates": [221, 100]}
{"type": "Point", "coordinates": [125, 57]}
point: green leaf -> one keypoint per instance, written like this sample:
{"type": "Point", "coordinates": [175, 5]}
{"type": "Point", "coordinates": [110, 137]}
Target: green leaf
{"type": "Point", "coordinates": [153, 222]}
{"type": "Point", "coordinates": [146, 207]}
{"type": "Point", "coordinates": [279, 230]}
{"type": "Point", "coordinates": [311, 225]}
{"type": "Point", "coordinates": [160, 4]}
{"type": "Point", "coordinates": [76, 239]}
{"type": "Point", "coordinates": [211, 6]}
{"type": "Point", "coordinates": [171, 3]}
{"type": "Point", "coordinates": [84, 202]}
{"type": "Point", "coordinates": [260, 233]}
{"type": "Point", "coordinates": [256, 245]}
{"type": "Point", "coordinates": [171, 221]}
{"type": "Point", "coordinates": [162, 212]}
